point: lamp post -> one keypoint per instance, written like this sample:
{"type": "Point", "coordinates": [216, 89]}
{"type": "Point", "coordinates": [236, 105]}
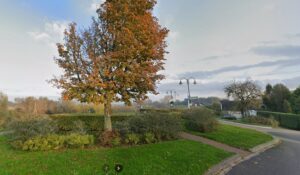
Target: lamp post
{"type": "Point", "coordinates": [188, 85]}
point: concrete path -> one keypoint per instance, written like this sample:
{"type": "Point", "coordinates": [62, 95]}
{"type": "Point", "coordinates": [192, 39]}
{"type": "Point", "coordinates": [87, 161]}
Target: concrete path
{"type": "Point", "coordinates": [214, 144]}
{"type": "Point", "coordinates": [281, 160]}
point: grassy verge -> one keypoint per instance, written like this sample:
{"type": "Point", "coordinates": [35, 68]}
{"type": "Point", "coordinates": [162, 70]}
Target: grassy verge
{"type": "Point", "coordinates": [244, 122]}
{"type": "Point", "coordinates": [174, 157]}
{"type": "Point", "coordinates": [236, 136]}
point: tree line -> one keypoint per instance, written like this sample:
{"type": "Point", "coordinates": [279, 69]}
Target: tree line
{"type": "Point", "coordinates": [277, 98]}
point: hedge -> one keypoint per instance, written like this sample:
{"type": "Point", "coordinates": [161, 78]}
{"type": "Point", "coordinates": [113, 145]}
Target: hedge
{"type": "Point", "coordinates": [93, 123]}
{"type": "Point", "coordinates": [286, 120]}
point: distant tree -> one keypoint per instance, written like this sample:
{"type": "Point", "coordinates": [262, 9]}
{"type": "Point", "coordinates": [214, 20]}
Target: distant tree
{"type": "Point", "coordinates": [3, 109]}
{"type": "Point", "coordinates": [279, 94]}
{"type": "Point", "coordinates": [246, 94]}
{"type": "Point", "coordinates": [216, 106]}
{"type": "Point", "coordinates": [117, 59]}
{"type": "Point", "coordinates": [3, 102]}
{"type": "Point", "coordinates": [287, 107]}
{"type": "Point", "coordinates": [295, 100]}
{"type": "Point", "coordinates": [268, 89]}
{"type": "Point", "coordinates": [266, 98]}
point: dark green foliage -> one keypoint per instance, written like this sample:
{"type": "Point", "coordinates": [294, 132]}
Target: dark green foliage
{"type": "Point", "coordinates": [295, 101]}
{"type": "Point", "coordinates": [278, 95]}
{"type": "Point", "coordinates": [24, 130]}
{"type": "Point", "coordinates": [54, 142]}
{"type": "Point", "coordinates": [92, 123]}
{"type": "Point", "coordinates": [200, 119]}
{"type": "Point", "coordinates": [164, 126]}
{"type": "Point", "coordinates": [291, 121]}
{"type": "Point", "coordinates": [287, 108]}
{"type": "Point", "coordinates": [261, 120]}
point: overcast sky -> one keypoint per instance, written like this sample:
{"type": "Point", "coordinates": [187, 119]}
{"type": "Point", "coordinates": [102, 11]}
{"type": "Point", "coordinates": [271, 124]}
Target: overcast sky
{"type": "Point", "coordinates": [215, 41]}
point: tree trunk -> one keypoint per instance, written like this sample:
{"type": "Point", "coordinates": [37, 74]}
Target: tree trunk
{"type": "Point", "coordinates": [107, 116]}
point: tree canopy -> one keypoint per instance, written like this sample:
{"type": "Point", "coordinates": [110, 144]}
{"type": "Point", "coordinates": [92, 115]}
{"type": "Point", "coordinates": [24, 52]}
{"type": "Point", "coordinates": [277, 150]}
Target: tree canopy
{"type": "Point", "coordinates": [246, 94]}
{"type": "Point", "coordinates": [117, 58]}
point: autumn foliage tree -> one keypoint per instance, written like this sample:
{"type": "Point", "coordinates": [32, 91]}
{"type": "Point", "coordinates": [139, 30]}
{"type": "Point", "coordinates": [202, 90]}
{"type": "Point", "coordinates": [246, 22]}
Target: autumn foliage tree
{"type": "Point", "coordinates": [118, 58]}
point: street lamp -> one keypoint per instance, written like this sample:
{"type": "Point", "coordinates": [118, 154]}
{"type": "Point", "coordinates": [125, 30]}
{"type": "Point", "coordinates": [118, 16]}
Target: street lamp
{"type": "Point", "coordinates": [188, 85]}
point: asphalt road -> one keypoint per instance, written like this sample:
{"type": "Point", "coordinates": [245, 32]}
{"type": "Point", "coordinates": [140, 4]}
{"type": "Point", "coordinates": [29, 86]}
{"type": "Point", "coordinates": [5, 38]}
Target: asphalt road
{"type": "Point", "coordinates": [284, 159]}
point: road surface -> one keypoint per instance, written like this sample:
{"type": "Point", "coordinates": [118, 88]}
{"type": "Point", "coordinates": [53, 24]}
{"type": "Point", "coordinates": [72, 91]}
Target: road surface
{"type": "Point", "coordinates": [281, 160]}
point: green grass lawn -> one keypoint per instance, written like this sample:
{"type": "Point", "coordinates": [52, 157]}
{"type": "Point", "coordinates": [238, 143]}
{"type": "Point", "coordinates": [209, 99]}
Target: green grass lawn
{"type": "Point", "coordinates": [167, 158]}
{"type": "Point", "coordinates": [236, 136]}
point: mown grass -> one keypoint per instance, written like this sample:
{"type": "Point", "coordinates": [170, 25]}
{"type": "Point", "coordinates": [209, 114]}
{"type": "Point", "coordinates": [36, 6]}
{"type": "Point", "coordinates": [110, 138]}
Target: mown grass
{"type": "Point", "coordinates": [237, 137]}
{"type": "Point", "coordinates": [173, 157]}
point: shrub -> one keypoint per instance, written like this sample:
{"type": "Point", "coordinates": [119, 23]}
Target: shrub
{"type": "Point", "coordinates": [79, 127]}
{"type": "Point", "coordinates": [261, 120]}
{"type": "Point", "coordinates": [200, 119]}
{"type": "Point", "coordinates": [163, 125]}
{"type": "Point", "coordinates": [122, 128]}
{"type": "Point", "coordinates": [149, 138]}
{"type": "Point", "coordinates": [78, 140]}
{"type": "Point", "coordinates": [54, 142]}
{"type": "Point", "coordinates": [108, 138]}
{"type": "Point", "coordinates": [132, 139]}
{"type": "Point", "coordinates": [24, 130]}
{"type": "Point", "coordinates": [93, 123]}
{"type": "Point", "coordinates": [116, 141]}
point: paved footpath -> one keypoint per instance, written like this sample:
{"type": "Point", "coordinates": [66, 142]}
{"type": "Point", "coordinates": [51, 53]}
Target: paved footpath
{"type": "Point", "coordinates": [281, 160]}
{"type": "Point", "coordinates": [214, 144]}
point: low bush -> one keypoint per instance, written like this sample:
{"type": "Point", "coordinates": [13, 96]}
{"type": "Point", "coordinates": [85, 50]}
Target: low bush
{"type": "Point", "coordinates": [132, 139]}
{"type": "Point", "coordinates": [261, 120]}
{"type": "Point", "coordinates": [200, 119]}
{"type": "Point", "coordinates": [116, 142]}
{"type": "Point", "coordinates": [24, 130]}
{"type": "Point", "coordinates": [164, 126]}
{"type": "Point", "coordinates": [109, 138]}
{"type": "Point", "coordinates": [78, 140]}
{"type": "Point", "coordinates": [149, 138]}
{"type": "Point", "coordinates": [54, 142]}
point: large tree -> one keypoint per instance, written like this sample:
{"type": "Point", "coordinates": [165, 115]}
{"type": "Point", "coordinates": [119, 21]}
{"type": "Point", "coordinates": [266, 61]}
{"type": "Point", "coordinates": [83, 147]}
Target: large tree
{"type": "Point", "coordinates": [295, 100]}
{"type": "Point", "coordinates": [280, 94]}
{"type": "Point", "coordinates": [247, 94]}
{"type": "Point", "coordinates": [267, 97]}
{"type": "Point", "coordinates": [118, 58]}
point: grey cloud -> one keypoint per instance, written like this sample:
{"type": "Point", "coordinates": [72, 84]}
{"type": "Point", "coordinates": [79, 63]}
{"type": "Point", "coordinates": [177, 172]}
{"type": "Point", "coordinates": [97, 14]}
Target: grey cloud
{"type": "Point", "coordinates": [210, 58]}
{"type": "Point", "coordinates": [296, 35]}
{"type": "Point", "coordinates": [207, 74]}
{"type": "Point", "coordinates": [283, 50]}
